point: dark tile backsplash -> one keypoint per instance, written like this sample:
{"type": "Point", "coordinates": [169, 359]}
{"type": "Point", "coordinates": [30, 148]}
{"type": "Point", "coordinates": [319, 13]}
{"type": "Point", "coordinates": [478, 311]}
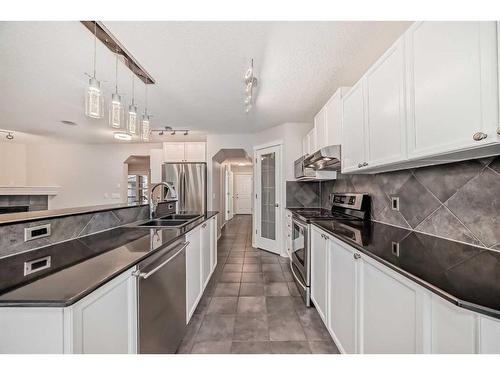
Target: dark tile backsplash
{"type": "Point", "coordinates": [68, 227]}
{"type": "Point", "coordinates": [459, 201]}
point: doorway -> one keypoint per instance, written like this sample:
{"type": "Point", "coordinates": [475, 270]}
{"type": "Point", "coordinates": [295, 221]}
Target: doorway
{"type": "Point", "coordinates": [229, 187]}
{"type": "Point", "coordinates": [268, 192]}
{"type": "Point", "coordinates": [243, 194]}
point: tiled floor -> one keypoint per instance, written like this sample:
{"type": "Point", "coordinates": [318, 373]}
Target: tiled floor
{"type": "Point", "coordinates": [252, 305]}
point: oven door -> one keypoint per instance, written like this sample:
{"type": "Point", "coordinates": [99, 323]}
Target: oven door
{"type": "Point", "coordinates": [300, 249]}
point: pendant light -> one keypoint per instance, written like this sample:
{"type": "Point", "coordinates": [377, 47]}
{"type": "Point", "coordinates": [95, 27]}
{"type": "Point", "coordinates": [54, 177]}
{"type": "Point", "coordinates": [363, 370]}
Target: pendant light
{"type": "Point", "coordinates": [132, 120]}
{"type": "Point", "coordinates": [146, 119]}
{"type": "Point", "coordinates": [94, 100]}
{"type": "Point", "coordinates": [116, 110]}
{"type": "Point", "coordinates": [250, 84]}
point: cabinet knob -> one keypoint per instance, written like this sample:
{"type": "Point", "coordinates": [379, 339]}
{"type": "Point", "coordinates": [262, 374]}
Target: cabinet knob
{"type": "Point", "coordinates": [498, 130]}
{"type": "Point", "coordinates": [365, 164]}
{"type": "Point", "coordinates": [479, 136]}
{"type": "Point", "coordinates": [360, 165]}
{"type": "Point", "coordinates": [357, 256]}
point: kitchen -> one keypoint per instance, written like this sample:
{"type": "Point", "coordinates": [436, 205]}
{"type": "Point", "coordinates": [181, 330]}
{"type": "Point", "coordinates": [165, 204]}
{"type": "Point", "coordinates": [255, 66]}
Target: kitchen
{"type": "Point", "coordinates": [160, 205]}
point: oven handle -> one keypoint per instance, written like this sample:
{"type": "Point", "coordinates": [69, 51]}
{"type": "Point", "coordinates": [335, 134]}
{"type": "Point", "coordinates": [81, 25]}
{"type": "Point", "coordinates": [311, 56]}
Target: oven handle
{"type": "Point", "coordinates": [295, 276]}
{"type": "Point", "coordinates": [145, 275]}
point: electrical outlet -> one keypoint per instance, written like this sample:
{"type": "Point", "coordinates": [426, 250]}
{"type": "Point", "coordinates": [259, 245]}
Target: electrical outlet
{"type": "Point", "coordinates": [395, 203]}
{"type": "Point", "coordinates": [395, 249]}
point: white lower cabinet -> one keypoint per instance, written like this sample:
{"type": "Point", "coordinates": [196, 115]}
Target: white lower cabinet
{"type": "Point", "coordinates": [213, 243]}
{"type": "Point", "coordinates": [319, 282]}
{"type": "Point", "coordinates": [194, 287]}
{"type": "Point", "coordinates": [372, 309]}
{"type": "Point", "coordinates": [206, 261]}
{"type": "Point", "coordinates": [391, 311]}
{"type": "Point", "coordinates": [104, 322]}
{"type": "Point", "coordinates": [342, 294]}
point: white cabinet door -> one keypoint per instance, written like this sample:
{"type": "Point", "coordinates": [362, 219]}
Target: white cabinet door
{"type": "Point", "coordinates": [452, 83]}
{"type": "Point", "coordinates": [391, 313]}
{"type": "Point", "coordinates": [453, 329]}
{"type": "Point", "coordinates": [319, 276]}
{"type": "Point", "coordinates": [489, 335]}
{"type": "Point", "coordinates": [305, 145]}
{"type": "Point", "coordinates": [193, 271]}
{"type": "Point", "coordinates": [385, 108]}
{"type": "Point", "coordinates": [353, 130]}
{"type": "Point", "coordinates": [106, 320]}
{"type": "Point", "coordinates": [213, 243]}
{"type": "Point", "coordinates": [311, 138]}
{"type": "Point", "coordinates": [342, 318]}
{"type": "Point", "coordinates": [155, 162]}
{"type": "Point", "coordinates": [333, 123]}
{"type": "Point", "coordinates": [320, 129]}
{"type": "Point", "coordinates": [173, 152]}
{"type": "Point", "coordinates": [195, 152]}
{"type": "Point", "coordinates": [206, 264]}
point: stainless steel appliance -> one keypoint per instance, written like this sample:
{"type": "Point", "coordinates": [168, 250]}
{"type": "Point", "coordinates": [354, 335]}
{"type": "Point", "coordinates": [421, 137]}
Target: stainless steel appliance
{"type": "Point", "coordinates": [190, 184]}
{"type": "Point", "coordinates": [346, 208]}
{"type": "Point", "coordinates": [304, 171]}
{"type": "Point", "coordinates": [161, 290]}
{"type": "Point", "coordinates": [326, 158]}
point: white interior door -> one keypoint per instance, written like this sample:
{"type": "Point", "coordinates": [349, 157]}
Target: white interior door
{"type": "Point", "coordinates": [228, 177]}
{"type": "Point", "coordinates": [243, 194]}
{"type": "Point", "coordinates": [267, 198]}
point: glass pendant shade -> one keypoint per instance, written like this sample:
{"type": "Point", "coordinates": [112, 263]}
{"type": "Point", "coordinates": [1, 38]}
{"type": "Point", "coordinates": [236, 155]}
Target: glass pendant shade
{"type": "Point", "coordinates": [116, 112]}
{"type": "Point", "coordinates": [145, 127]}
{"type": "Point", "coordinates": [132, 120]}
{"type": "Point", "coordinates": [94, 100]}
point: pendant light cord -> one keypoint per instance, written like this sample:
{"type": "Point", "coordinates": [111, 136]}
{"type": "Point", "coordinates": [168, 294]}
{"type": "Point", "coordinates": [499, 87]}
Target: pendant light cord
{"type": "Point", "coordinates": [95, 44]}
{"type": "Point", "coordinates": [116, 73]}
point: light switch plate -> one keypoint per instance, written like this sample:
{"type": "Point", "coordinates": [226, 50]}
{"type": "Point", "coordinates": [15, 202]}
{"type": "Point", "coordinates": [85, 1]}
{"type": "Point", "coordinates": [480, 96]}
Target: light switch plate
{"type": "Point", "coordinates": [395, 203]}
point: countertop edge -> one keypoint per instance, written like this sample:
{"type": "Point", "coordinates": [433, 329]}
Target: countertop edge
{"type": "Point", "coordinates": [441, 293]}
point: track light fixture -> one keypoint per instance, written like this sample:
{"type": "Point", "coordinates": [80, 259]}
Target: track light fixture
{"type": "Point", "coordinates": [169, 129]}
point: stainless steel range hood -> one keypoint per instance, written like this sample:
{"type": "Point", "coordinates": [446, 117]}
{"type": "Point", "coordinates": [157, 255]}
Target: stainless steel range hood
{"type": "Point", "coordinates": [327, 158]}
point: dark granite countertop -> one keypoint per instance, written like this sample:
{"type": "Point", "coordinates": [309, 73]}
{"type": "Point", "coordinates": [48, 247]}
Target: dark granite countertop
{"type": "Point", "coordinates": [465, 275]}
{"type": "Point", "coordinates": [82, 265]}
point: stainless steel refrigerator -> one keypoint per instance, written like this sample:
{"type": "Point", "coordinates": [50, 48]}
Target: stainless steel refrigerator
{"type": "Point", "coordinates": [190, 182]}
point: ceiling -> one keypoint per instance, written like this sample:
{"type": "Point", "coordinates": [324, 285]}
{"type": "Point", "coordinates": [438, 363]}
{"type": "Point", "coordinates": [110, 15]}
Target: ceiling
{"type": "Point", "coordinates": [198, 68]}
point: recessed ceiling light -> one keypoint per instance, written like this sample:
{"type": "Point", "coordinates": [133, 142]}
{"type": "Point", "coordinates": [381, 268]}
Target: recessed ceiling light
{"type": "Point", "coordinates": [122, 136]}
{"type": "Point", "coordinates": [67, 122]}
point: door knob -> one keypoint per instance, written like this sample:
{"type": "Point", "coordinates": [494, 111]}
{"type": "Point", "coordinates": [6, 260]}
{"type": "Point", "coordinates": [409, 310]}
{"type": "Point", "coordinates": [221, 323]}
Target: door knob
{"type": "Point", "coordinates": [479, 136]}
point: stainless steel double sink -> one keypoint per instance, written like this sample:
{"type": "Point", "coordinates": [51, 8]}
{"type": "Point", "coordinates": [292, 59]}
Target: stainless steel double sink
{"type": "Point", "coordinates": [171, 221]}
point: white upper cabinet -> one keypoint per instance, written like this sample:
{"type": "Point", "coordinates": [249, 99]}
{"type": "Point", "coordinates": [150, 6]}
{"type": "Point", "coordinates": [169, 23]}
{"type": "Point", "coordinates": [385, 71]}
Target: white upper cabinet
{"type": "Point", "coordinates": [385, 108]}
{"type": "Point", "coordinates": [320, 128]}
{"type": "Point", "coordinates": [155, 162]}
{"type": "Point", "coordinates": [195, 151]}
{"type": "Point", "coordinates": [333, 122]}
{"type": "Point", "coordinates": [174, 152]}
{"type": "Point", "coordinates": [353, 130]}
{"type": "Point", "coordinates": [452, 81]}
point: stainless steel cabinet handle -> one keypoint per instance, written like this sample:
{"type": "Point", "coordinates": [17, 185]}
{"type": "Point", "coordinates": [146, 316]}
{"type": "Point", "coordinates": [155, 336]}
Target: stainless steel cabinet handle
{"type": "Point", "coordinates": [356, 256]}
{"type": "Point", "coordinates": [479, 136]}
{"type": "Point", "coordinates": [145, 275]}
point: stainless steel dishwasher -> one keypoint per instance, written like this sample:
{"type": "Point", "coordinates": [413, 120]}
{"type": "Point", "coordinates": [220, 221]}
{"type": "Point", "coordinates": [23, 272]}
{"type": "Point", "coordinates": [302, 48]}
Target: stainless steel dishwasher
{"type": "Point", "coordinates": [161, 290]}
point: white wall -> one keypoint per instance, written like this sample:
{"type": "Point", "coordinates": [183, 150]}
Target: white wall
{"type": "Point", "coordinates": [12, 163]}
{"type": "Point", "coordinates": [88, 174]}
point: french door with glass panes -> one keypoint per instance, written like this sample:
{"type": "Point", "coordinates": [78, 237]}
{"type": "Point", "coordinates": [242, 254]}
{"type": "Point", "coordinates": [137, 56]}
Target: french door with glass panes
{"type": "Point", "coordinates": [267, 198]}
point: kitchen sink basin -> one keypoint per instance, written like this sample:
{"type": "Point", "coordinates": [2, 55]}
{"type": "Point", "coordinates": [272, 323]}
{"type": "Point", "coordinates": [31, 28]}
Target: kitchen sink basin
{"type": "Point", "coordinates": [180, 217]}
{"type": "Point", "coordinates": [164, 223]}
